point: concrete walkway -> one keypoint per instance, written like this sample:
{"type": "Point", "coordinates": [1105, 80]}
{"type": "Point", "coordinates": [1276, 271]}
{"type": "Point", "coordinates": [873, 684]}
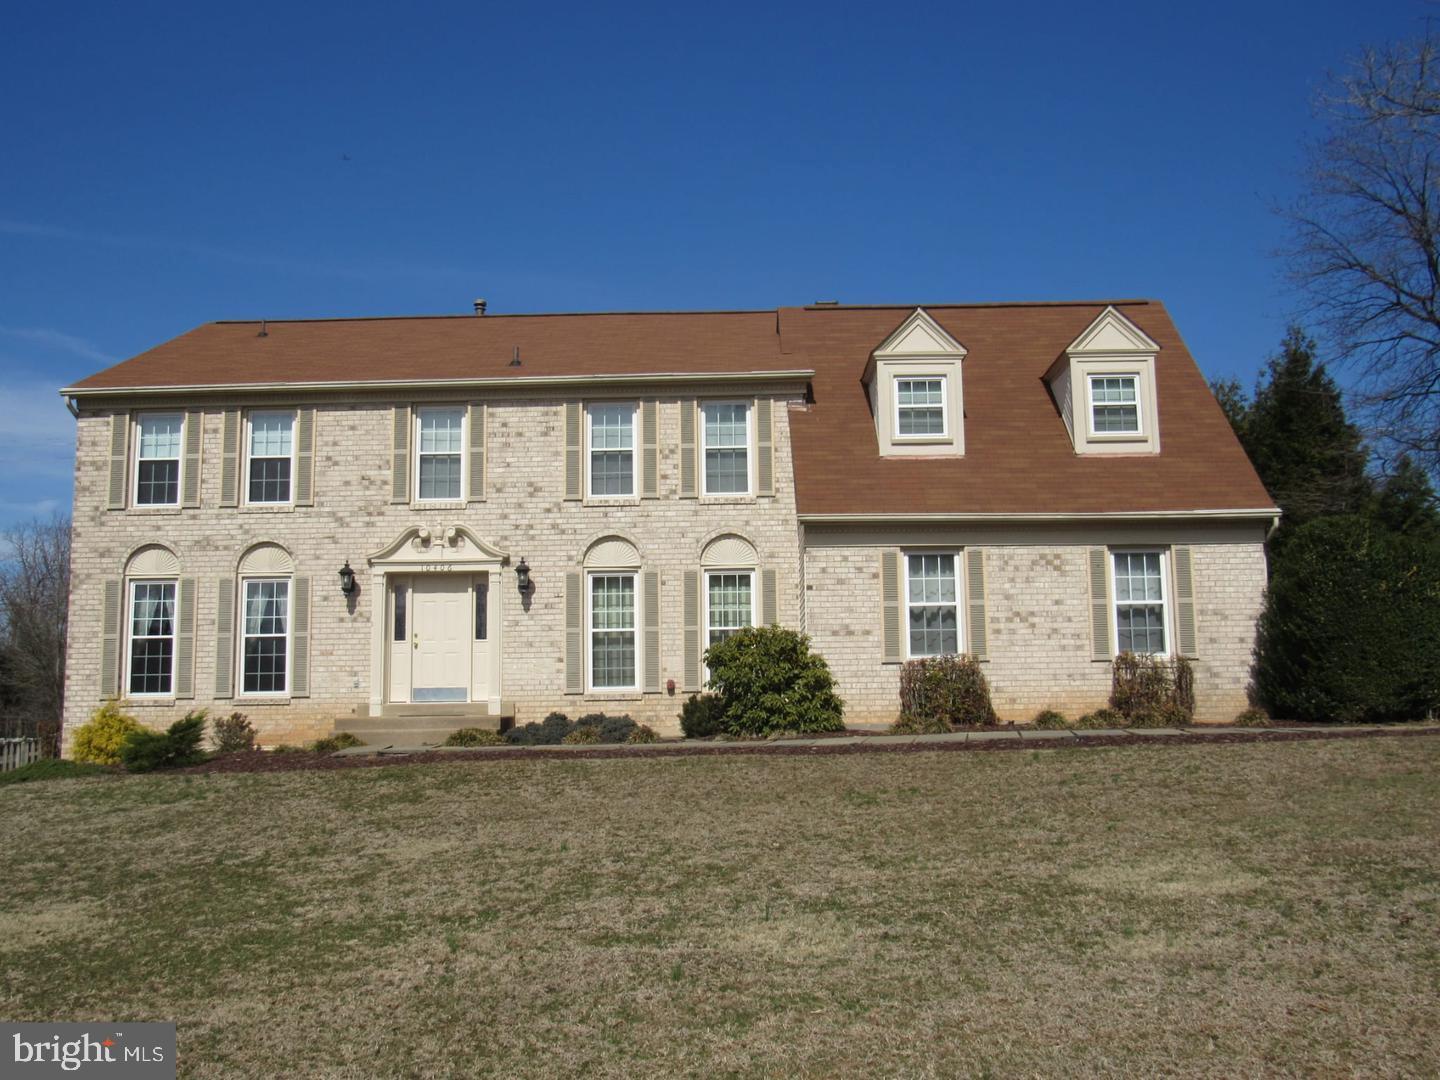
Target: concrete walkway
{"type": "Point", "coordinates": [950, 740]}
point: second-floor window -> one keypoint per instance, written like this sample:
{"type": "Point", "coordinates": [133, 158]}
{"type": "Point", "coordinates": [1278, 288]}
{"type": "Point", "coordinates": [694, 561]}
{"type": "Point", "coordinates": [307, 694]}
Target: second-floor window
{"type": "Point", "coordinates": [727, 448]}
{"type": "Point", "coordinates": [157, 459]}
{"type": "Point", "coordinates": [439, 458]}
{"type": "Point", "coordinates": [271, 447]}
{"type": "Point", "coordinates": [612, 449]}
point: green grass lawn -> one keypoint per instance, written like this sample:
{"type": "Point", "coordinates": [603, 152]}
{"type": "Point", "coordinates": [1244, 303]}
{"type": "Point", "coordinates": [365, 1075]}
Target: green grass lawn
{"type": "Point", "coordinates": [1223, 910]}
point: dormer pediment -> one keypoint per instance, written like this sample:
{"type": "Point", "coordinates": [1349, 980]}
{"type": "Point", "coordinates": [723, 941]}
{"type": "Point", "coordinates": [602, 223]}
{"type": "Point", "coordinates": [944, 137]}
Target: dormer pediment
{"type": "Point", "coordinates": [1111, 334]}
{"type": "Point", "coordinates": [919, 336]}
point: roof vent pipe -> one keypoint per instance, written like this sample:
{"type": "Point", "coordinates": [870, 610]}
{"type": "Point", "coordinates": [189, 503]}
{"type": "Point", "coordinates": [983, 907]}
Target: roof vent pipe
{"type": "Point", "coordinates": [479, 307]}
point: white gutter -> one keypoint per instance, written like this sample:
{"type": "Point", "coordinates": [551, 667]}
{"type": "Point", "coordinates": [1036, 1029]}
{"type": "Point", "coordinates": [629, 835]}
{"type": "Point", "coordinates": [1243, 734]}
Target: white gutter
{"type": "Point", "coordinates": [791, 375]}
{"type": "Point", "coordinates": [1268, 514]}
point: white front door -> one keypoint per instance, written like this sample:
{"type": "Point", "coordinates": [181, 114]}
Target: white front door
{"type": "Point", "coordinates": [441, 637]}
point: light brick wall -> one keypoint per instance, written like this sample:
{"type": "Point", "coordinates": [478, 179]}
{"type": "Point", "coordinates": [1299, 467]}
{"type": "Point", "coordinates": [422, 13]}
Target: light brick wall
{"type": "Point", "coordinates": [524, 514]}
{"type": "Point", "coordinates": [1038, 616]}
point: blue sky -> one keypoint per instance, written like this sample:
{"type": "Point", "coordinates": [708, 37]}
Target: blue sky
{"type": "Point", "coordinates": [165, 165]}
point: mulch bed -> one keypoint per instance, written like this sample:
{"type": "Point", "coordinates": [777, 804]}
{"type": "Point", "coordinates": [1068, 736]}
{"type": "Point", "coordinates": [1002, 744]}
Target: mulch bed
{"type": "Point", "coordinates": [263, 761]}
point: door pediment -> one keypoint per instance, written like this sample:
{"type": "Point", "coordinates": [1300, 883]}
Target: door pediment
{"type": "Point", "coordinates": [422, 545]}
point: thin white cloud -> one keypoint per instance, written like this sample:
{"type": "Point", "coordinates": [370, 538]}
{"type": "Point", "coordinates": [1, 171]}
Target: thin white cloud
{"type": "Point", "coordinates": [37, 434]}
{"type": "Point", "coordinates": [57, 339]}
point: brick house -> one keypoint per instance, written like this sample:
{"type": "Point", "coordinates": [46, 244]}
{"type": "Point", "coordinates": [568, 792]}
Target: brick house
{"type": "Point", "coordinates": [1041, 485]}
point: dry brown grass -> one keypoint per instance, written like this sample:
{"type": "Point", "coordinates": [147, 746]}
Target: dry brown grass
{"type": "Point", "coordinates": [1218, 911]}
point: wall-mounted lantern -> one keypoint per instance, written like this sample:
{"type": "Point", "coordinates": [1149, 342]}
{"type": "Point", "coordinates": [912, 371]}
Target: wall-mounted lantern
{"type": "Point", "coordinates": [347, 579]}
{"type": "Point", "coordinates": [522, 576]}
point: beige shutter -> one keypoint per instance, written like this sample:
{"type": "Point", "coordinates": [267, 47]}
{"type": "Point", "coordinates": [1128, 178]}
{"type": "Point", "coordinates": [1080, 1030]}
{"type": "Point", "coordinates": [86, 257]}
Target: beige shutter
{"type": "Point", "coordinates": [574, 430]}
{"type": "Point", "coordinates": [185, 639]}
{"type": "Point", "coordinates": [976, 625]}
{"type": "Point", "coordinates": [1185, 636]}
{"type": "Point", "coordinates": [119, 460]}
{"type": "Point", "coordinates": [305, 457]}
{"type": "Point", "coordinates": [769, 599]}
{"type": "Point", "coordinates": [574, 633]}
{"type": "Point", "coordinates": [651, 617]}
{"type": "Point", "coordinates": [890, 586]}
{"type": "Point", "coordinates": [300, 637]}
{"type": "Point", "coordinates": [764, 448]}
{"type": "Point", "coordinates": [190, 485]}
{"type": "Point", "coordinates": [230, 458]}
{"type": "Point", "coordinates": [690, 606]}
{"type": "Point", "coordinates": [1102, 648]}
{"type": "Point", "coordinates": [688, 450]}
{"type": "Point", "coordinates": [400, 454]}
{"type": "Point", "coordinates": [476, 464]}
{"type": "Point", "coordinates": [111, 635]}
{"type": "Point", "coordinates": [649, 450]}
{"type": "Point", "coordinates": [225, 637]}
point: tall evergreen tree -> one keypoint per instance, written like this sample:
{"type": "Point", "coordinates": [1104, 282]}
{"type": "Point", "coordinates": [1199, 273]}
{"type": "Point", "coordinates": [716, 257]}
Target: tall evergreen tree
{"type": "Point", "coordinates": [1406, 503]}
{"type": "Point", "coordinates": [1309, 456]}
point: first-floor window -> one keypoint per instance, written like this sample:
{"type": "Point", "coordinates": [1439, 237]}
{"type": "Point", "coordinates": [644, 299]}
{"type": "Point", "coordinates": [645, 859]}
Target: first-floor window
{"type": "Point", "coordinates": [612, 631]}
{"type": "Point", "coordinates": [266, 637]}
{"type": "Point", "coordinates": [1140, 601]}
{"type": "Point", "coordinates": [933, 618]}
{"type": "Point", "coordinates": [152, 637]}
{"type": "Point", "coordinates": [729, 603]}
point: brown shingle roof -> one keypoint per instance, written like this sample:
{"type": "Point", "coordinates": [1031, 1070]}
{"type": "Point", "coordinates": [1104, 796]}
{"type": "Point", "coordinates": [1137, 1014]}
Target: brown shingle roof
{"type": "Point", "coordinates": [1018, 456]}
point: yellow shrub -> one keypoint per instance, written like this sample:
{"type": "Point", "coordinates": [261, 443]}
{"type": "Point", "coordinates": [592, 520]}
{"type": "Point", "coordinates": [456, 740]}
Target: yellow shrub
{"type": "Point", "coordinates": [100, 738]}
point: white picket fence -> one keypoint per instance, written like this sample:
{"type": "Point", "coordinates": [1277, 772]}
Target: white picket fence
{"type": "Point", "coordinates": [17, 752]}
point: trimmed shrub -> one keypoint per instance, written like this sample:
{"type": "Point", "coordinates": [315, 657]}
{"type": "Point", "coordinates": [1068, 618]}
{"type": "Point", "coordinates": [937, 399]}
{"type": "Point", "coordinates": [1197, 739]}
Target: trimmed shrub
{"type": "Point", "coordinates": [1351, 627]}
{"type": "Point", "coordinates": [233, 734]}
{"type": "Point", "coordinates": [100, 738]}
{"type": "Point", "coordinates": [1101, 718]}
{"type": "Point", "coordinates": [179, 744]}
{"type": "Point", "coordinates": [1252, 717]}
{"type": "Point", "coordinates": [1147, 690]}
{"type": "Point", "coordinates": [613, 729]}
{"type": "Point", "coordinates": [919, 725]}
{"type": "Point", "coordinates": [1049, 720]}
{"type": "Point", "coordinates": [341, 740]}
{"type": "Point", "coordinates": [586, 733]}
{"type": "Point", "coordinates": [771, 681]}
{"type": "Point", "coordinates": [474, 736]}
{"type": "Point", "coordinates": [945, 689]}
{"type": "Point", "coordinates": [702, 716]}
{"type": "Point", "coordinates": [51, 769]}
{"type": "Point", "coordinates": [287, 748]}
{"type": "Point", "coordinates": [549, 732]}
{"type": "Point", "coordinates": [643, 733]}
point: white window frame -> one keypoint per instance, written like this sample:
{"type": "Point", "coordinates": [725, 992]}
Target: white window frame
{"type": "Point", "coordinates": [249, 456]}
{"type": "Point", "coordinates": [1165, 594]}
{"type": "Point", "coordinates": [634, 407]}
{"type": "Point", "coordinates": [179, 460]}
{"type": "Point", "coordinates": [420, 412]}
{"type": "Point", "coordinates": [749, 407]}
{"type": "Point", "coordinates": [943, 435]}
{"type": "Point", "coordinates": [639, 620]}
{"type": "Point", "coordinates": [1139, 381]}
{"type": "Point", "coordinates": [707, 574]}
{"type": "Point", "coordinates": [958, 605]}
{"type": "Point", "coordinates": [241, 635]}
{"type": "Point", "coordinates": [174, 583]}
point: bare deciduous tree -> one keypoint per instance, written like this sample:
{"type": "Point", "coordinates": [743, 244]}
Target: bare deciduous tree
{"type": "Point", "coordinates": [34, 596]}
{"type": "Point", "coordinates": [1367, 240]}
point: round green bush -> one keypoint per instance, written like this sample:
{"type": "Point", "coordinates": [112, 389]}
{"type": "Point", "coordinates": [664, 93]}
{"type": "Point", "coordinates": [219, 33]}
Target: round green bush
{"type": "Point", "coordinates": [1049, 720]}
{"type": "Point", "coordinates": [702, 716]}
{"type": "Point", "coordinates": [100, 738]}
{"type": "Point", "coordinates": [771, 681]}
{"type": "Point", "coordinates": [1351, 627]}
{"type": "Point", "coordinates": [643, 733]}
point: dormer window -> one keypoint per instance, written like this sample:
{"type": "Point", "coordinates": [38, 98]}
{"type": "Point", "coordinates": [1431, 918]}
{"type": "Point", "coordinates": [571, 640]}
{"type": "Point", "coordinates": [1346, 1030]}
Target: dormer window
{"type": "Point", "coordinates": [1114, 404]}
{"type": "Point", "coordinates": [915, 390]}
{"type": "Point", "coordinates": [919, 407]}
{"type": "Point", "coordinates": [1104, 388]}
